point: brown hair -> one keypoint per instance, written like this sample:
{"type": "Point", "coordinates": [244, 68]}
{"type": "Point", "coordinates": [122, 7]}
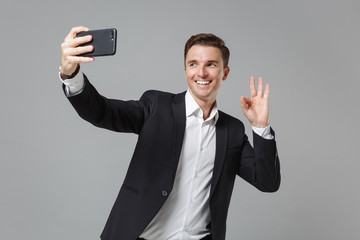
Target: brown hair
{"type": "Point", "coordinates": [208, 39]}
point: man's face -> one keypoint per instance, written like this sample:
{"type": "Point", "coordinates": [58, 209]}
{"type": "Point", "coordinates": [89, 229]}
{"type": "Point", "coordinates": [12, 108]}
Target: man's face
{"type": "Point", "coordinates": [205, 71]}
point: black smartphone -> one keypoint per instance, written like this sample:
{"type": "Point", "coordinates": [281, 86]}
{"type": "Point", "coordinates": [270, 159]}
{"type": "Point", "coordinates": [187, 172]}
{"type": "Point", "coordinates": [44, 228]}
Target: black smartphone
{"type": "Point", "coordinates": [103, 40]}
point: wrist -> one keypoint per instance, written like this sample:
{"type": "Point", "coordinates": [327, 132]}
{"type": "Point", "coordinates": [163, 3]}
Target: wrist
{"type": "Point", "coordinates": [65, 76]}
{"type": "Point", "coordinates": [260, 125]}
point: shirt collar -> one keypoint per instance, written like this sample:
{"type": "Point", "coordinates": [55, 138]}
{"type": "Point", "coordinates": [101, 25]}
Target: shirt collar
{"type": "Point", "coordinates": [192, 108]}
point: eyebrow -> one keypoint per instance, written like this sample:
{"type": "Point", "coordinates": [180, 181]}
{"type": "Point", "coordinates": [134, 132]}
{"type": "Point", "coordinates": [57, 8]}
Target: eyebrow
{"type": "Point", "coordinates": [210, 61]}
{"type": "Point", "coordinates": [213, 61]}
{"type": "Point", "coordinates": [191, 61]}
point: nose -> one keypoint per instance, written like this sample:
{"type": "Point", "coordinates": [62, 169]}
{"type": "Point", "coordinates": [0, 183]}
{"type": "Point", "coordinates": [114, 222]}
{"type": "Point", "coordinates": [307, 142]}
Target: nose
{"type": "Point", "coordinates": [202, 72]}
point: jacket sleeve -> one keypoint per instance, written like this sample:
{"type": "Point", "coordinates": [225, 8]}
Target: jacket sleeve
{"type": "Point", "coordinates": [260, 165]}
{"type": "Point", "coordinates": [111, 114]}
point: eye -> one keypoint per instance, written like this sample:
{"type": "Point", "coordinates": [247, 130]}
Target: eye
{"type": "Point", "coordinates": [211, 65]}
{"type": "Point", "coordinates": [192, 65]}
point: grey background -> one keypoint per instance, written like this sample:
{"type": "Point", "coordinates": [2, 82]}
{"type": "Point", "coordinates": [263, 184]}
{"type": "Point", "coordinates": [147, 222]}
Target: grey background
{"type": "Point", "coordinates": [59, 175]}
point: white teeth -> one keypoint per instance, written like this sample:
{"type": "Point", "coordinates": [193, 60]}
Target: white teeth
{"type": "Point", "coordinates": [203, 82]}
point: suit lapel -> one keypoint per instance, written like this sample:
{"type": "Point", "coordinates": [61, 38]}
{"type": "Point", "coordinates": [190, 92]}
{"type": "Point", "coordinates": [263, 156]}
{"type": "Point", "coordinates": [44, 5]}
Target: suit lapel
{"type": "Point", "coordinates": [179, 114]}
{"type": "Point", "coordinates": [178, 108]}
{"type": "Point", "coordinates": [221, 145]}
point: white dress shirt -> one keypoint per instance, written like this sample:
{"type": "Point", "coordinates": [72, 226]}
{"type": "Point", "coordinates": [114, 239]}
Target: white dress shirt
{"type": "Point", "coordinates": [186, 212]}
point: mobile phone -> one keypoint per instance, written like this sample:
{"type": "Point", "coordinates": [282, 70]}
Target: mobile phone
{"type": "Point", "coordinates": [103, 41]}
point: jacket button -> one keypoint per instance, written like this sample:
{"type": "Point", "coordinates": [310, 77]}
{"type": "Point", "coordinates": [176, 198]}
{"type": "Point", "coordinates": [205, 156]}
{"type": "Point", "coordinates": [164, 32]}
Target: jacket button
{"type": "Point", "coordinates": [164, 193]}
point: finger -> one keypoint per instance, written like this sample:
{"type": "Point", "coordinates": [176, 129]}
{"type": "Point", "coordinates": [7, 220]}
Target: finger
{"type": "Point", "coordinates": [245, 102]}
{"type": "Point", "coordinates": [260, 87]}
{"type": "Point", "coordinates": [78, 50]}
{"type": "Point", "coordinates": [79, 40]}
{"type": "Point", "coordinates": [267, 91]}
{"type": "Point", "coordinates": [75, 59]}
{"type": "Point", "coordinates": [76, 30]}
{"type": "Point", "coordinates": [252, 87]}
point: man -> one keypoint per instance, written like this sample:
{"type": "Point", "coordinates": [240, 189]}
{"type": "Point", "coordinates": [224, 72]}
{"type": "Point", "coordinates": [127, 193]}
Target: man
{"type": "Point", "coordinates": [181, 176]}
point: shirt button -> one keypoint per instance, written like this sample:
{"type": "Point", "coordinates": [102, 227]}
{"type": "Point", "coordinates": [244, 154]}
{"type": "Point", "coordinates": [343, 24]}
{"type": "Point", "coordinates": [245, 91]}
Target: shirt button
{"type": "Point", "coordinates": [164, 193]}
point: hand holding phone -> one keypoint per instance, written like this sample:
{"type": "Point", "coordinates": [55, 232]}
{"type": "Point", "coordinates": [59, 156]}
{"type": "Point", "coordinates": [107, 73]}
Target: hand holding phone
{"type": "Point", "coordinates": [82, 45]}
{"type": "Point", "coordinates": [103, 42]}
{"type": "Point", "coordinates": [70, 50]}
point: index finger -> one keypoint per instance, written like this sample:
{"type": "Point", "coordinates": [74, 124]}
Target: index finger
{"type": "Point", "coordinates": [74, 31]}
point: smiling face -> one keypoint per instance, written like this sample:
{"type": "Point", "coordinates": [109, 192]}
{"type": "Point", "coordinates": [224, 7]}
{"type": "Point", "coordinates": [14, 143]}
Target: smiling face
{"type": "Point", "coordinates": [205, 71]}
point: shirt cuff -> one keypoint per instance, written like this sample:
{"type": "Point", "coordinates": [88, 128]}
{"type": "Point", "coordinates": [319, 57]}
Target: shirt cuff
{"type": "Point", "coordinates": [263, 132]}
{"type": "Point", "coordinates": [75, 85]}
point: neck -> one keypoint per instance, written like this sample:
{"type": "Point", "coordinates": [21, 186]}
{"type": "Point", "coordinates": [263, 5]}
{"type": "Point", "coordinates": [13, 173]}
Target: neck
{"type": "Point", "coordinates": [206, 107]}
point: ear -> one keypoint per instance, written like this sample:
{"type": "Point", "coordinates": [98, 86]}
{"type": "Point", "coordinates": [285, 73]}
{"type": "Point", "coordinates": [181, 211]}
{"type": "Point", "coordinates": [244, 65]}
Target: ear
{"type": "Point", "coordinates": [226, 73]}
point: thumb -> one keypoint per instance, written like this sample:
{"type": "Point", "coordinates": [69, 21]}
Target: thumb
{"type": "Point", "coordinates": [244, 103]}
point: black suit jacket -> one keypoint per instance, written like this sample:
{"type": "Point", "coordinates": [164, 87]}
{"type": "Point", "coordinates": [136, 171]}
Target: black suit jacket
{"type": "Point", "coordinates": [159, 120]}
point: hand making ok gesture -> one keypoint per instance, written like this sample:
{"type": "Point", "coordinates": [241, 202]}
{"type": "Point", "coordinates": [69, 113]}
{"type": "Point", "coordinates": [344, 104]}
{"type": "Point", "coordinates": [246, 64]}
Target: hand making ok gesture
{"type": "Point", "coordinates": [256, 108]}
